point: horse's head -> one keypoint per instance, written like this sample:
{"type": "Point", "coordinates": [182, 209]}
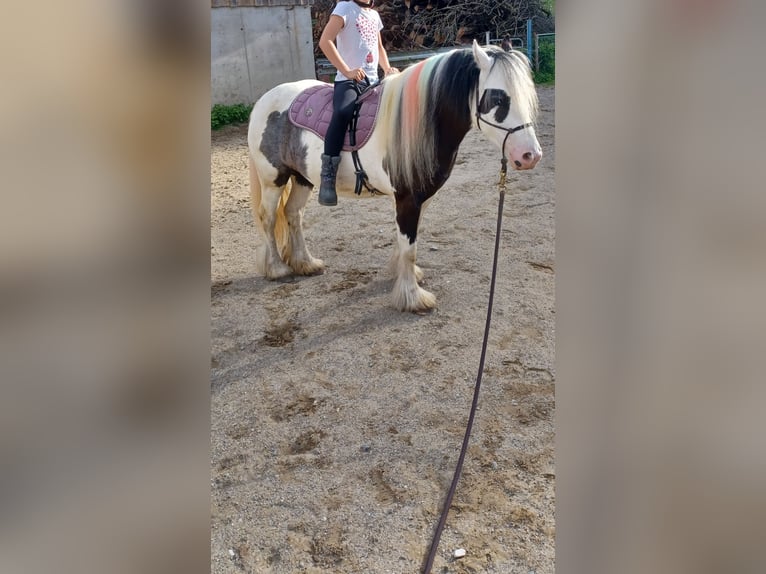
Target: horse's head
{"type": "Point", "coordinates": [506, 104]}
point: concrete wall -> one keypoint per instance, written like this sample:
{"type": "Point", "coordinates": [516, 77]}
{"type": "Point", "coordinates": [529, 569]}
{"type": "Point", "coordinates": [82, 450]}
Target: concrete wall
{"type": "Point", "coordinates": [255, 48]}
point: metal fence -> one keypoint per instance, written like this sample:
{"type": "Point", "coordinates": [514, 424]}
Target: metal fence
{"type": "Point", "coordinates": [544, 63]}
{"type": "Point", "coordinates": [326, 71]}
{"type": "Point", "coordinates": [543, 57]}
{"type": "Point", "coordinates": [548, 42]}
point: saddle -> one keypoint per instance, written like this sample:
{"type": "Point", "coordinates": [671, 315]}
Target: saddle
{"type": "Point", "coordinates": [312, 110]}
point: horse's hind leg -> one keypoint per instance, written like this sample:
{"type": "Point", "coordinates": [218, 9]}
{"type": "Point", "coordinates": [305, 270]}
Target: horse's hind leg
{"type": "Point", "coordinates": [407, 294]}
{"type": "Point", "coordinates": [266, 212]}
{"type": "Point", "coordinates": [299, 258]}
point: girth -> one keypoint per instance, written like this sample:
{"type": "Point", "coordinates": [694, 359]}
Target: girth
{"type": "Point", "coordinates": [361, 176]}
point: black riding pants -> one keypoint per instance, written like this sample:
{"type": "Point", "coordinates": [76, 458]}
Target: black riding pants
{"type": "Point", "coordinates": [343, 100]}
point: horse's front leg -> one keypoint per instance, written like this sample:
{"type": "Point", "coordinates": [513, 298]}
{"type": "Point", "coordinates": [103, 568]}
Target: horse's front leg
{"type": "Point", "coordinates": [393, 263]}
{"type": "Point", "coordinates": [407, 294]}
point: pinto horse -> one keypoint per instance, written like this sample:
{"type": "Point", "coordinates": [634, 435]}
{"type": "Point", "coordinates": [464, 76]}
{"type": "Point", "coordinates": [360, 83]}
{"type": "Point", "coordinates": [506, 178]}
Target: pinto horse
{"type": "Point", "coordinates": [425, 112]}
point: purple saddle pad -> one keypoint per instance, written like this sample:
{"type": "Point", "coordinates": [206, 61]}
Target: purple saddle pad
{"type": "Point", "coordinates": [312, 110]}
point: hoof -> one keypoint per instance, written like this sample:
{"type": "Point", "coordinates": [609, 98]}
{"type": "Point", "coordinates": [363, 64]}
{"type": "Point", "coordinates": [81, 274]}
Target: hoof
{"type": "Point", "coordinates": [413, 299]}
{"type": "Point", "coordinates": [268, 266]}
{"type": "Point", "coordinates": [277, 270]}
{"type": "Point", "coordinates": [309, 266]}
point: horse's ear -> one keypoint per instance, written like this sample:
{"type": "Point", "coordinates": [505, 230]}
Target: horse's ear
{"type": "Point", "coordinates": [481, 57]}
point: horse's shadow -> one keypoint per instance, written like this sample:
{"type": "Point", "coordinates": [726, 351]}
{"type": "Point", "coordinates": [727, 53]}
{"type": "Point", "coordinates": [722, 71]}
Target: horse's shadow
{"type": "Point", "coordinates": [295, 331]}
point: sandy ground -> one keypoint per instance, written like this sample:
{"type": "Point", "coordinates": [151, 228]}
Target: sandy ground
{"type": "Point", "coordinates": [337, 420]}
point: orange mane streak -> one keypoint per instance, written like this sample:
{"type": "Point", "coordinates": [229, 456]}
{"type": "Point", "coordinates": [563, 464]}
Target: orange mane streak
{"type": "Point", "coordinates": [411, 100]}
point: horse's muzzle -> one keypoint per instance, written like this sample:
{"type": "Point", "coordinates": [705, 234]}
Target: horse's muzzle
{"type": "Point", "coordinates": [527, 160]}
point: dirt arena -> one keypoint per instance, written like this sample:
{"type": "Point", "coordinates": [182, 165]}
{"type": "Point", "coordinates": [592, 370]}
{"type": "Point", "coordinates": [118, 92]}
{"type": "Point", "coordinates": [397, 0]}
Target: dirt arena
{"type": "Point", "coordinates": [337, 420]}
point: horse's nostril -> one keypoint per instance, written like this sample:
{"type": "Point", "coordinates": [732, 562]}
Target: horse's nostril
{"type": "Point", "coordinates": [527, 156]}
{"type": "Point", "coordinates": [517, 162]}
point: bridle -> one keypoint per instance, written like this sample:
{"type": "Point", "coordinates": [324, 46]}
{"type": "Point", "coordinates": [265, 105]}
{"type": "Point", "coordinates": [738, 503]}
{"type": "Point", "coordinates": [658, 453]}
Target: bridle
{"type": "Point", "coordinates": [508, 131]}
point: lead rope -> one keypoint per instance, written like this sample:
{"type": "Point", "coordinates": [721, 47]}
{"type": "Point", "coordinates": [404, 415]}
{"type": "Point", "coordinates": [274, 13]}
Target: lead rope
{"type": "Point", "coordinates": [469, 426]}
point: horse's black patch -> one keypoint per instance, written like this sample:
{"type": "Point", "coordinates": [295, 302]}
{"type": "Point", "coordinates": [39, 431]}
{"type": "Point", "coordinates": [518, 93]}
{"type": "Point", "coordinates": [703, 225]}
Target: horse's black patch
{"type": "Point", "coordinates": [303, 181]}
{"type": "Point", "coordinates": [281, 145]}
{"type": "Point", "coordinates": [282, 178]}
{"type": "Point", "coordinates": [407, 215]}
{"type": "Point", "coordinates": [495, 98]}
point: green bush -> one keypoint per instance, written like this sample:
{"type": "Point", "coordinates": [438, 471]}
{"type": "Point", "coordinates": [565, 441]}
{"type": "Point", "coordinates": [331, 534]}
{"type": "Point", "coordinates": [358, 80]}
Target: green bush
{"type": "Point", "coordinates": [546, 74]}
{"type": "Point", "coordinates": [222, 115]}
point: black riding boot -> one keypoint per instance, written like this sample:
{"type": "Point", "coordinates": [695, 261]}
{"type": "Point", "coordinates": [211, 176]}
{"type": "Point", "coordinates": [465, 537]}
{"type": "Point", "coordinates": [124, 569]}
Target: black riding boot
{"type": "Point", "coordinates": [327, 195]}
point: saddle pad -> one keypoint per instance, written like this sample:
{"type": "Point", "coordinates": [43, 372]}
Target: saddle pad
{"type": "Point", "coordinates": [312, 110]}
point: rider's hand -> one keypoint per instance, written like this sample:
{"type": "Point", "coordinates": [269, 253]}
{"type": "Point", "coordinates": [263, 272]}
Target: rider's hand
{"type": "Point", "coordinates": [355, 74]}
{"type": "Point", "coordinates": [391, 70]}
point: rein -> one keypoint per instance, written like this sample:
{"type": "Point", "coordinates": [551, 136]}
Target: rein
{"type": "Point", "coordinates": [475, 402]}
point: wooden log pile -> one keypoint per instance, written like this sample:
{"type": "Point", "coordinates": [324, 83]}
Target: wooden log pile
{"type": "Point", "coordinates": [417, 24]}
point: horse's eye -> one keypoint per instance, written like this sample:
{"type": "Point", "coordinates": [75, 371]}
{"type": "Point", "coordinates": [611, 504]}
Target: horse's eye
{"type": "Point", "coordinates": [494, 98]}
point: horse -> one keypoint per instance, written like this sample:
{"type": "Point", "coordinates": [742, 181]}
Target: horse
{"type": "Point", "coordinates": [425, 112]}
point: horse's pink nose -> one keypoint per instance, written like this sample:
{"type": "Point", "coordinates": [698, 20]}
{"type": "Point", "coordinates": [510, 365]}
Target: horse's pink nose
{"type": "Point", "coordinates": [528, 159]}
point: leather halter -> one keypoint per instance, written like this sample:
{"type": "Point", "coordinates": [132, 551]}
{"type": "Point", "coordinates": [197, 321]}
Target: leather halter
{"type": "Point", "coordinates": [508, 131]}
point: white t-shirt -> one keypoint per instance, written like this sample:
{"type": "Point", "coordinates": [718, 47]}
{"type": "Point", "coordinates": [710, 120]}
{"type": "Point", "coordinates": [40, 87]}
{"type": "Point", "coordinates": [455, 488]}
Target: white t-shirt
{"type": "Point", "coordinates": [358, 39]}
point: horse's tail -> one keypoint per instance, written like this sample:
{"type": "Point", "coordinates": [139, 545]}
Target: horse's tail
{"type": "Point", "coordinates": [255, 194]}
{"type": "Point", "coordinates": [281, 229]}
